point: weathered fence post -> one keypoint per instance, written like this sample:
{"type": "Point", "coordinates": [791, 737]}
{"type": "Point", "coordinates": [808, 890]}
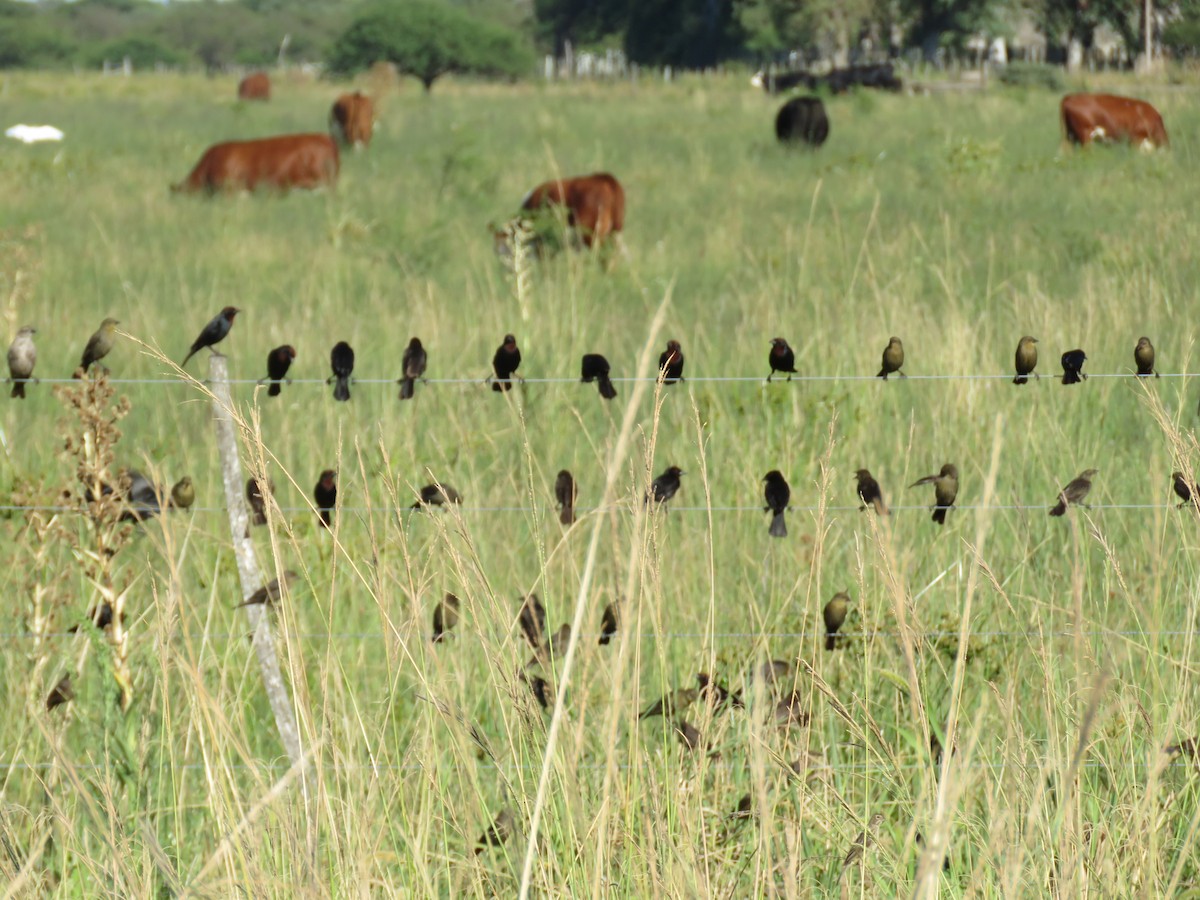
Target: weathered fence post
{"type": "Point", "coordinates": [261, 632]}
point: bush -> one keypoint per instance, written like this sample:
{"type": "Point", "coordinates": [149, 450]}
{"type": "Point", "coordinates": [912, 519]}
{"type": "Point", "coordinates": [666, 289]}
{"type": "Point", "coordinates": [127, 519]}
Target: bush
{"type": "Point", "coordinates": [1031, 75]}
{"type": "Point", "coordinates": [427, 40]}
{"type": "Point", "coordinates": [1182, 37]}
{"type": "Point", "coordinates": [27, 43]}
{"type": "Point", "coordinates": [142, 51]}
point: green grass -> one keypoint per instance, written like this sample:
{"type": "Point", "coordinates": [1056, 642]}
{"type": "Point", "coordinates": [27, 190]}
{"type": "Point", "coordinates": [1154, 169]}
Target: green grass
{"type": "Point", "coordinates": [954, 221]}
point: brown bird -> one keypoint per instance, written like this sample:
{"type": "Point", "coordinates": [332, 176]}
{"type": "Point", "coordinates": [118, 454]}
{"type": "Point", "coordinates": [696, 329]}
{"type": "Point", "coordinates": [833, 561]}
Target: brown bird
{"type": "Point", "coordinates": [22, 357]}
{"type": "Point", "coordinates": [565, 492]}
{"type": "Point", "coordinates": [781, 358]}
{"type": "Point", "coordinates": [1187, 493]}
{"type": "Point", "coordinates": [790, 711]}
{"type": "Point", "coordinates": [774, 671]}
{"type": "Point", "coordinates": [745, 808]}
{"type": "Point", "coordinates": [258, 503]}
{"type": "Point", "coordinates": [269, 593]}
{"type": "Point", "coordinates": [1187, 748]}
{"type": "Point", "coordinates": [543, 691]}
{"type": "Point", "coordinates": [893, 358]}
{"type": "Point", "coordinates": [1026, 359]}
{"type": "Point", "coordinates": [556, 646]}
{"type": "Point", "coordinates": [532, 619]}
{"type": "Point", "coordinates": [497, 833]}
{"type": "Point", "coordinates": [869, 492]}
{"type": "Point", "coordinates": [945, 490]}
{"type": "Point", "coordinates": [1074, 493]}
{"type": "Point", "coordinates": [863, 842]}
{"type": "Point", "coordinates": [279, 361]}
{"type": "Point", "coordinates": [505, 364]}
{"type": "Point", "coordinates": [325, 493]}
{"type": "Point", "coordinates": [99, 345]}
{"type": "Point", "coordinates": [183, 493]}
{"type": "Point", "coordinates": [414, 362]}
{"type": "Point", "coordinates": [608, 622]}
{"type": "Point", "coordinates": [445, 616]}
{"type": "Point", "coordinates": [689, 735]}
{"type": "Point", "coordinates": [61, 693]}
{"type": "Point", "coordinates": [214, 332]}
{"type": "Point", "coordinates": [777, 495]}
{"type": "Point", "coordinates": [835, 616]}
{"type": "Point", "coordinates": [670, 704]}
{"type": "Point", "coordinates": [437, 495]}
{"type": "Point", "coordinates": [670, 364]}
{"type": "Point", "coordinates": [715, 695]}
{"type": "Point", "coordinates": [1143, 356]}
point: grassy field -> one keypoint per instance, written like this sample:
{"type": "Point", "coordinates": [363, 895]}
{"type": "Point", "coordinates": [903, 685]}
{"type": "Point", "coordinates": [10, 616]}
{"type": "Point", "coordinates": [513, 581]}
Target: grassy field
{"type": "Point", "coordinates": [1057, 655]}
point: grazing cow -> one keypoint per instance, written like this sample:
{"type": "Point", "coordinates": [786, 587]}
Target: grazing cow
{"type": "Point", "coordinates": [881, 76]}
{"type": "Point", "coordinates": [352, 119]}
{"type": "Point", "coordinates": [802, 119]}
{"type": "Point", "coordinates": [778, 83]}
{"type": "Point", "coordinates": [293, 160]}
{"type": "Point", "coordinates": [595, 204]}
{"type": "Point", "coordinates": [255, 86]}
{"type": "Point", "coordinates": [1105, 117]}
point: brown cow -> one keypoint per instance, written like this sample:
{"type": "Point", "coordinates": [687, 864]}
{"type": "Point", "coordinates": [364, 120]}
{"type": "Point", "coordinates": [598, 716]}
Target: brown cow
{"type": "Point", "coordinates": [352, 119]}
{"type": "Point", "coordinates": [292, 160]}
{"type": "Point", "coordinates": [595, 204]}
{"type": "Point", "coordinates": [255, 86]}
{"type": "Point", "coordinates": [1106, 117]}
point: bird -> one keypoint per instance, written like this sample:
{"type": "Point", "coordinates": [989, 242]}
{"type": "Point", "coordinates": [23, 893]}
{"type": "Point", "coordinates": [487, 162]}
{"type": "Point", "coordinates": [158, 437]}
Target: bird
{"type": "Point", "coordinates": [1026, 359]}
{"type": "Point", "coordinates": [100, 615]}
{"type": "Point", "coordinates": [595, 368]}
{"type": "Point", "coordinates": [61, 693]}
{"type": "Point", "coordinates": [214, 332]}
{"type": "Point", "coordinates": [608, 622]}
{"type": "Point", "coordinates": [325, 493]}
{"type": "Point", "coordinates": [532, 620]}
{"type": "Point", "coordinates": [1074, 493]}
{"type": "Point", "coordinates": [665, 486]}
{"type": "Point", "coordinates": [543, 691]}
{"type": "Point", "coordinates": [269, 593]}
{"type": "Point", "coordinates": [781, 358]}
{"type": "Point", "coordinates": [341, 360]}
{"type": "Point", "coordinates": [445, 616]}
{"type": "Point", "coordinates": [505, 364]}
{"type": "Point", "coordinates": [669, 704]}
{"type": "Point", "coordinates": [556, 646]}
{"type": "Point", "coordinates": [863, 842]}
{"type": "Point", "coordinates": [414, 362]}
{"type": "Point", "coordinates": [869, 492]}
{"type": "Point", "coordinates": [279, 361]}
{"type": "Point", "coordinates": [670, 364]}
{"type": "Point", "coordinates": [1072, 363]}
{"type": "Point", "coordinates": [945, 489]}
{"type": "Point", "coordinates": [183, 493]}
{"type": "Point", "coordinates": [142, 498]}
{"type": "Point", "coordinates": [437, 495]}
{"type": "Point", "coordinates": [257, 500]}
{"type": "Point", "coordinates": [893, 358]}
{"type": "Point", "coordinates": [98, 345]}
{"type": "Point", "coordinates": [716, 695]}
{"type": "Point", "coordinates": [791, 711]}
{"type": "Point", "coordinates": [565, 492]}
{"type": "Point", "coordinates": [834, 615]}
{"type": "Point", "coordinates": [777, 494]}
{"type": "Point", "coordinates": [1143, 356]}
{"type": "Point", "coordinates": [1187, 493]}
{"type": "Point", "coordinates": [22, 356]}
{"type": "Point", "coordinates": [689, 735]}
{"type": "Point", "coordinates": [497, 833]}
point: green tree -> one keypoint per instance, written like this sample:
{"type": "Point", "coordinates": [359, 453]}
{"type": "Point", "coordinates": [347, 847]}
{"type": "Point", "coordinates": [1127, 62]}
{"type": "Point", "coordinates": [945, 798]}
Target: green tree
{"type": "Point", "coordinates": [580, 21]}
{"type": "Point", "coordinates": [683, 33]}
{"type": "Point", "coordinates": [428, 40]}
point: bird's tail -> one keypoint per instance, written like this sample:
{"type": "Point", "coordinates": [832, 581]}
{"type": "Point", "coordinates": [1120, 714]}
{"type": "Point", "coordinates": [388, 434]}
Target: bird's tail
{"type": "Point", "coordinates": [274, 389]}
{"type": "Point", "coordinates": [830, 641]}
{"type": "Point", "coordinates": [607, 391]}
{"type": "Point", "coordinates": [326, 517]}
{"type": "Point", "coordinates": [80, 372]}
{"type": "Point", "coordinates": [1021, 379]}
{"type": "Point", "coordinates": [1060, 508]}
{"type": "Point", "coordinates": [567, 516]}
{"type": "Point", "coordinates": [880, 506]}
{"type": "Point", "coordinates": [882, 374]}
{"type": "Point", "coordinates": [501, 385]}
{"type": "Point", "coordinates": [939, 514]}
{"type": "Point", "coordinates": [1070, 378]}
{"type": "Point", "coordinates": [341, 390]}
{"type": "Point", "coordinates": [407, 385]}
{"type": "Point", "coordinates": [183, 365]}
{"type": "Point", "coordinates": [19, 389]}
{"type": "Point", "coordinates": [778, 525]}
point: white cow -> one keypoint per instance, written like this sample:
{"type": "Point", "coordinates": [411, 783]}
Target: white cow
{"type": "Point", "coordinates": [32, 134]}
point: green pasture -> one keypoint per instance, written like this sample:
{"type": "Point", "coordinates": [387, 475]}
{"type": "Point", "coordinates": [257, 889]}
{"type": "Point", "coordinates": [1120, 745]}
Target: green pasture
{"type": "Point", "coordinates": [956, 221]}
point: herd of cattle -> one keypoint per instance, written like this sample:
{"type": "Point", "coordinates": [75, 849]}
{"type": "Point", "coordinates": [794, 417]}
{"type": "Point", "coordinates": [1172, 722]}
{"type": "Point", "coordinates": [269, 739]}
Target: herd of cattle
{"type": "Point", "coordinates": [594, 205]}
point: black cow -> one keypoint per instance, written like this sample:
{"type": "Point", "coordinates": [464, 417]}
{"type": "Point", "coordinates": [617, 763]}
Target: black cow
{"type": "Point", "coordinates": [802, 119]}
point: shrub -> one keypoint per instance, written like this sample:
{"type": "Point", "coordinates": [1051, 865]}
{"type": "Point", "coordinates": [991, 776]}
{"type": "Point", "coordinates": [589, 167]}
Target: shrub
{"type": "Point", "coordinates": [1031, 75]}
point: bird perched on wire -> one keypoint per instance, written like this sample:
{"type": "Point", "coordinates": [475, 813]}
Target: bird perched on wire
{"type": "Point", "coordinates": [505, 364]}
{"type": "Point", "coordinates": [565, 492]}
{"type": "Point", "coordinates": [665, 486]}
{"type": "Point", "coordinates": [183, 493]}
{"type": "Point", "coordinates": [437, 495]}
{"type": "Point", "coordinates": [595, 368]}
{"type": "Point", "coordinates": [777, 495]}
{"type": "Point", "coordinates": [414, 361]}
{"type": "Point", "coordinates": [945, 489]}
{"type": "Point", "coordinates": [1072, 364]}
{"type": "Point", "coordinates": [22, 356]}
{"type": "Point", "coordinates": [1143, 357]}
{"type": "Point", "coordinates": [279, 361]}
{"type": "Point", "coordinates": [214, 332]}
{"type": "Point", "coordinates": [1075, 492]}
{"type": "Point", "coordinates": [341, 360]}
{"type": "Point", "coordinates": [445, 616]}
{"type": "Point", "coordinates": [834, 615]}
{"type": "Point", "coordinates": [1026, 359]}
{"type": "Point", "coordinates": [257, 500]}
{"type": "Point", "coordinates": [670, 364]}
{"type": "Point", "coordinates": [325, 493]}
{"type": "Point", "coordinates": [98, 346]}
{"type": "Point", "coordinates": [893, 358]}
{"type": "Point", "coordinates": [1187, 493]}
{"type": "Point", "coordinates": [869, 492]}
{"type": "Point", "coordinates": [142, 499]}
{"type": "Point", "coordinates": [781, 358]}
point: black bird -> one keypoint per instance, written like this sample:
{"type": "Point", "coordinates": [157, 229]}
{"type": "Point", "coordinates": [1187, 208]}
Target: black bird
{"type": "Point", "coordinates": [505, 364]}
{"type": "Point", "coordinates": [781, 358]}
{"type": "Point", "coordinates": [1072, 363]}
{"type": "Point", "coordinates": [279, 361]}
{"type": "Point", "coordinates": [595, 368]}
{"type": "Point", "coordinates": [101, 616]}
{"type": "Point", "coordinates": [1187, 493]}
{"type": "Point", "coordinates": [61, 693]}
{"type": "Point", "coordinates": [257, 500]}
{"type": "Point", "coordinates": [665, 486]}
{"type": "Point", "coordinates": [1143, 355]}
{"type": "Point", "coordinates": [142, 499]}
{"type": "Point", "coordinates": [565, 492]}
{"type": "Point", "coordinates": [437, 495]}
{"type": "Point", "coordinates": [325, 493]}
{"type": "Point", "coordinates": [341, 360]}
{"type": "Point", "coordinates": [945, 490]}
{"type": "Point", "coordinates": [608, 622]}
{"type": "Point", "coordinates": [870, 493]}
{"type": "Point", "coordinates": [414, 362]}
{"type": "Point", "coordinates": [670, 363]}
{"type": "Point", "coordinates": [777, 494]}
{"type": "Point", "coordinates": [445, 616]}
{"type": "Point", "coordinates": [1074, 493]}
{"type": "Point", "coordinates": [532, 619]}
{"type": "Point", "coordinates": [214, 332]}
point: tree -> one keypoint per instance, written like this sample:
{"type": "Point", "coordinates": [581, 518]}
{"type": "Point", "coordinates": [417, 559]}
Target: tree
{"type": "Point", "coordinates": [428, 40]}
{"type": "Point", "coordinates": [580, 21]}
{"type": "Point", "coordinates": [941, 23]}
{"type": "Point", "coordinates": [683, 33]}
